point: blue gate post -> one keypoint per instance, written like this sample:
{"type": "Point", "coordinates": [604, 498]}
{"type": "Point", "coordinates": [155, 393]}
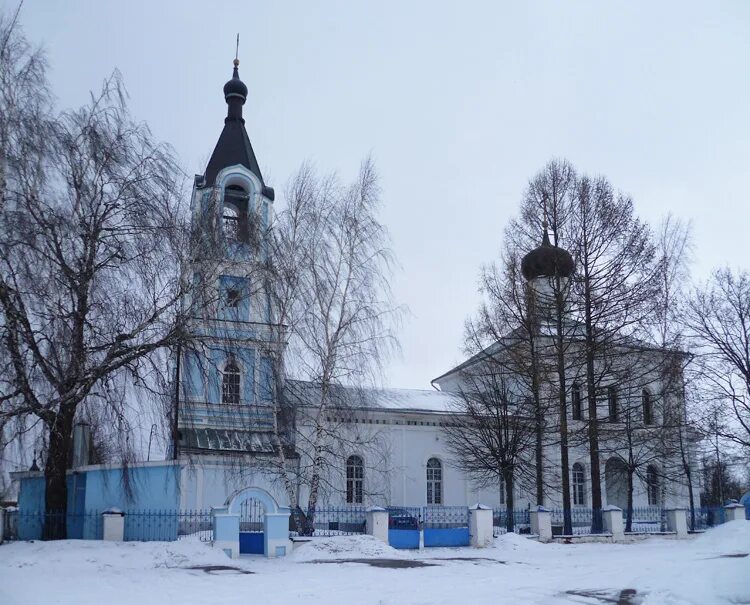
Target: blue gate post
{"type": "Point", "coordinates": [276, 531]}
{"type": "Point", "coordinates": [226, 528]}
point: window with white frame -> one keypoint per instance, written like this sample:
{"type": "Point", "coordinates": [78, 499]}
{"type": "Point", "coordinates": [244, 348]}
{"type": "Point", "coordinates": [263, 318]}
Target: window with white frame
{"type": "Point", "coordinates": [355, 480]}
{"type": "Point", "coordinates": [579, 485]}
{"type": "Point", "coordinates": [434, 481]}
{"type": "Point", "coordinates": [230, 383]}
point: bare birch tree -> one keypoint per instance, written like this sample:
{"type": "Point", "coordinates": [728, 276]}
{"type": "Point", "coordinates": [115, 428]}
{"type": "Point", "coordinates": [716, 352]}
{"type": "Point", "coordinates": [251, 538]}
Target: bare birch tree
{"type": "Point", "coordinates": [334, 264]}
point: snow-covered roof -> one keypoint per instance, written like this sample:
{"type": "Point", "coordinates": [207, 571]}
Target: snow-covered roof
{"type": "Point", "coordinates": [418, 400]}
{"type": "Point", "coordinates": [403, 400]}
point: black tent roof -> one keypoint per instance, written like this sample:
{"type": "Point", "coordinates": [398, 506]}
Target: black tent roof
{"type": "Point", "coordinates": [233, 146]}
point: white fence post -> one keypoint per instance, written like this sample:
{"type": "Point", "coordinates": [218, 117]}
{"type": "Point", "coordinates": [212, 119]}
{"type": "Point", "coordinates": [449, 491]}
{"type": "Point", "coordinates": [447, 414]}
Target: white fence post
{"type": "Point", "coordinates": [480, 526]}
{"type": "Point", "coordinates": [377, 523]}
{"type": "Point", "coordinates": [612, 516]}
{"type": "Point", "coordinates": [113, 525]}
{"type": "Point", "coordinates": [540, 519]}
{"type": "Point", "coordinates": [677, 521]}
{"type": "Point", "coordinates": [734, 512]}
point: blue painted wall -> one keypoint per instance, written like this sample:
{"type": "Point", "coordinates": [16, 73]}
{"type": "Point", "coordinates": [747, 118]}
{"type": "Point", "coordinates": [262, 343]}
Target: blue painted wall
{"type": "Point", "coordinates": [154, 488]}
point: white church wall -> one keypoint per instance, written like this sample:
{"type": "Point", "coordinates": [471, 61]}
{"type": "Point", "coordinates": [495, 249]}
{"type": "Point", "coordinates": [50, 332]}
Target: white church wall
{"type": "Point", "coordinates": [396, 468]}
{"type": "Point", "coordinates": [205, 483]}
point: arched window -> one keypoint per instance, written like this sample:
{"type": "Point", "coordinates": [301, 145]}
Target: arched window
{"type": "Point", "coordinates": [355, 480]}
{"type": "Point", "coordinates": [230, 383]}
{"type": "Point", "coordinates": [576, 405]}
{"type": "Point", "coordinates": [648, 412]}
{"type": "Point", "coordinates": [235, 214]}
{"type": "Point", "coordinates": [652, 486]}
{"type": "Point", "coordinates": [579, 485]}
{"type": "Point", "coordinates": [612, 404]}
{"type": "Point", "coordinates": [434, 481]}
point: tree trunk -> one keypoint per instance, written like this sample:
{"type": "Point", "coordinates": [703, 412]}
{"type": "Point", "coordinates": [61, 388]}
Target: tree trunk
{"type": "Point", "coordinates": [563, 411]}
{"type": "Point", "coordinates": [55, 479]}
{"type": "Point", "coordinates": [509, 502]}
{"type": "Point", "coordinates": [596, 481]}
{"type": "Point", "coordinates": [538, 421]}
{"type": "Point", "coordinates": [312, 500]}
{"type": "Point", "coordinates": [684, 457]}
{"type": "Point", "coordinates": [279, 417]}
{"type": "Point", "coordinates": [539, 453]}
{"type": "Point", "coordinates": [629, 512]}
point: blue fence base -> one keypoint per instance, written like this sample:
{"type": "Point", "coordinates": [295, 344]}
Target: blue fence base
{"type": "Point", "coordinates": [252, 543]}
{"type": "Point", "coordinates": [403, 538]}
{"type": "Point", "coordinates": [454, 536]}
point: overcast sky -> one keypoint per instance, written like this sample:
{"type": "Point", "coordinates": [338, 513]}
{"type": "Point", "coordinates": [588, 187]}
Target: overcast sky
{"type": "Point", "coordinates": [459, 103]}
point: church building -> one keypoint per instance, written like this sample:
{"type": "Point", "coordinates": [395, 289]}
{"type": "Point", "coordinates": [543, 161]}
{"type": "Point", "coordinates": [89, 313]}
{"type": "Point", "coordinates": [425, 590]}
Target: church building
{"type": "Point", "coordinates": [392, 449]}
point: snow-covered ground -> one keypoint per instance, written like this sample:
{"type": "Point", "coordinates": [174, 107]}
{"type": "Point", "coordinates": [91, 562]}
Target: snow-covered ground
{"type": "Point", "coordinates": [703, 570]}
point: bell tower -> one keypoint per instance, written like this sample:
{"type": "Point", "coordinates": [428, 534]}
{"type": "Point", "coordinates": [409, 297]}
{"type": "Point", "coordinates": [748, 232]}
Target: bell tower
{"type": "Point", "coordinates": [226, 393]}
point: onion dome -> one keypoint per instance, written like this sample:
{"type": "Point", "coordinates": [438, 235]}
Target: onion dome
{"type": "Point", "coordinates": [547, 261]}
{"type": "Point", "coordinates": [235, 87]}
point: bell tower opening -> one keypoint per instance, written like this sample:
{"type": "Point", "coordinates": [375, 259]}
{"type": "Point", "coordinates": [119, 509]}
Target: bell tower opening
{"type": "Point", "coordinates": [235, 217]}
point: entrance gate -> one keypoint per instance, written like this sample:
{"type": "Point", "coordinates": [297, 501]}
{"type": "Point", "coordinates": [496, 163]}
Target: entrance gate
{"type": "Point", "coordinates": [252, 520]}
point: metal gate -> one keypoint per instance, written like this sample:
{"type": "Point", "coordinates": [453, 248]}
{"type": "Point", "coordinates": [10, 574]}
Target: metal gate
{"type": "Point", "coordinates": [252, 520]}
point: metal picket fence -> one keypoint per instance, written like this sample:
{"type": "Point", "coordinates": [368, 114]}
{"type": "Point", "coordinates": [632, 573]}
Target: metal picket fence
{"type": "Point", "coordinates": [346, 520]}
{"type": "Point", "coordinates": [140, 525]}
{"type": "Point", "coordinates": [581, 520]}
{"type": "Point", "coordinates": [167, 525]}
{"type": "Point", "coordinates": [521, 521]}
{"type": "Point", "coordinates": [34, 525]}
{"type": "Point", "coordinates": [646, 520]}
{"type": "Point", "coordinates": [707, 517]}
{"type": "Point", "coordinates": [445, 517]}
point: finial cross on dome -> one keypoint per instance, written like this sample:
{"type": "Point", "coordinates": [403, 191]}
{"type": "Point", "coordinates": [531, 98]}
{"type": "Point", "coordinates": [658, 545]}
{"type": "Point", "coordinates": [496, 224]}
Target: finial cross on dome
{"type": "Point", "coordinates": [237, 52]}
